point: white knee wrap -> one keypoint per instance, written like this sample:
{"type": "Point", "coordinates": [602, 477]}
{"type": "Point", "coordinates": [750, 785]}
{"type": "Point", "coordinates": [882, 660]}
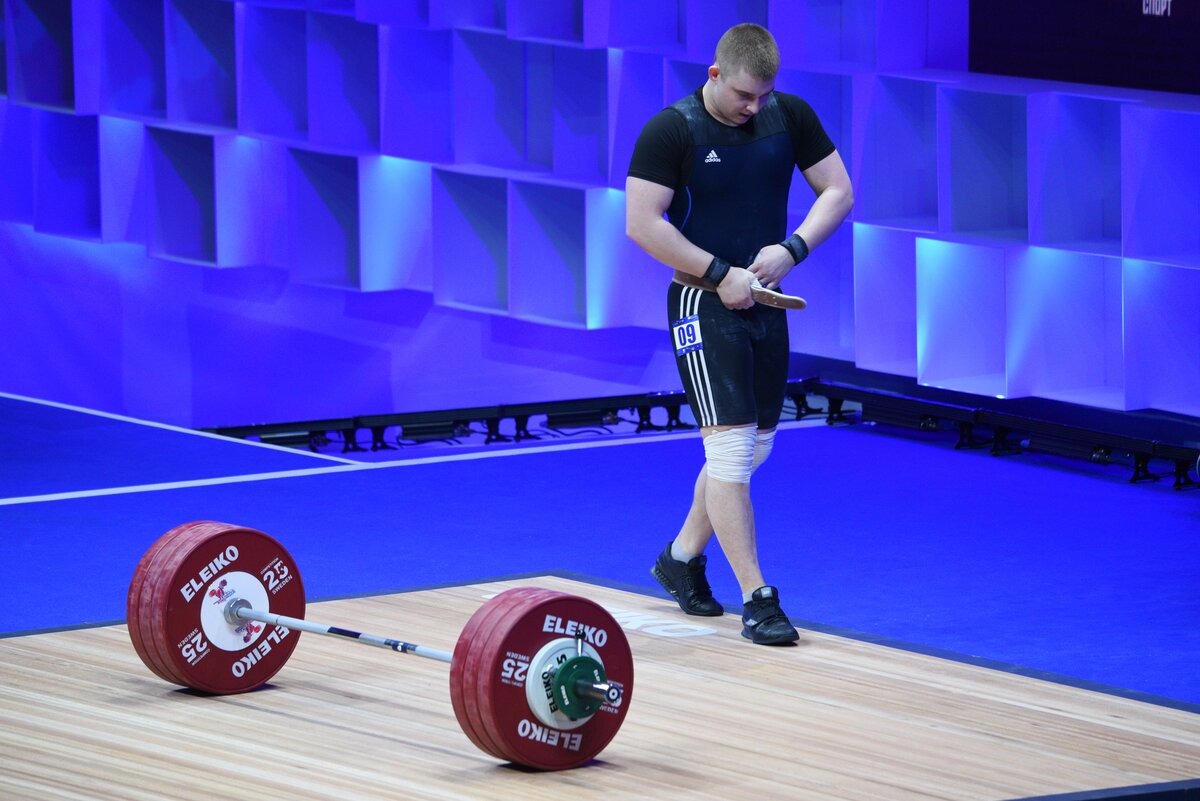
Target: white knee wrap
{"type": "Point", "coordinates": [765, 440]}
{"type": "Point", "coordinates": [730, 454]}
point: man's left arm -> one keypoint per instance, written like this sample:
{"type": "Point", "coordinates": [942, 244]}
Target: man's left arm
{"type": "Point", "coordinates": [835, 197]}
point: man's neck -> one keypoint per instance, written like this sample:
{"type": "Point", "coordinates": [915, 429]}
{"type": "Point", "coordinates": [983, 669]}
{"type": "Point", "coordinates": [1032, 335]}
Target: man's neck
{"type": "Point", "coordinates": [705, 95]}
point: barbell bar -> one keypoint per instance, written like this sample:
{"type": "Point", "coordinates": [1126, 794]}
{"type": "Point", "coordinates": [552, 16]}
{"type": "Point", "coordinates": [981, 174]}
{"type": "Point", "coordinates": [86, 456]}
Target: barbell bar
{"type": "Point", "coordinates": [568, 687]}
{"type": "Point", "coordinates": [537, 677]}
{"type": "Point", "coordinates": [237, 609]}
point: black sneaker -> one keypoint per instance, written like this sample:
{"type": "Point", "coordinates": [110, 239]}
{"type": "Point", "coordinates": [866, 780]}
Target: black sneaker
{"type": "Point", "coordinates": [764, 622]}
{"type": "Point", "coordinates": [687, 584]}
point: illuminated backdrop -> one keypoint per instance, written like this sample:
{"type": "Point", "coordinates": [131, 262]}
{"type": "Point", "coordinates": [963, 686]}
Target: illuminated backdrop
{"type": "Point", "coordinates": [223, 213]}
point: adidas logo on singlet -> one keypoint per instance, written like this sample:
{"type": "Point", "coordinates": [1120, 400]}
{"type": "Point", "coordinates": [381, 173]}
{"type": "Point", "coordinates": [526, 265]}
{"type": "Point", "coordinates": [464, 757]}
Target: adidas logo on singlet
{"type": "Point", "coordinates": [712, 158]}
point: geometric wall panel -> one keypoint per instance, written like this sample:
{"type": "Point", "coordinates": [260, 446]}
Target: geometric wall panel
{"type": "Point", "coordinates": [1160, 166]}
{"type": "Point", "coordinates": [133, 65]}
{"type": "Point", "coordinates": [961, 317]}
{"type": "Point", "coordinates": [424, 171]}
{"type": "Point", "coordinates": [273, 72]}
{"type": "Point", "coordinates": [982, 163]}
{"type": "Point", "coordinates": [885, 299]}
{"type": "Point", "coordinates": [395, 231]}
{"type": "Point", "coordinates": [1064, 329]}
{"type": "Point", "coordinates": [826, 280]}
{"type": "Point", "coordinates": [201, 63]}
{"type": "Point", "coordinates": [895, 147]}
{"type": "Point", "coordinates": [67, 194]}
{"type": "Point", "coordinates": [40, 48]}
{"type": "Point", "coordinates": [1162, 340]}
{"type": "Point", "coordinates": [184, 196]}
{"type": "Point", "coordinates": [1075, 172]}
{"type": "Point", "coordinates": [416, 118]}
{"type": "Point", "coordinates": [16, 162]}
{"type": "Point", "coordinates": [343, 83]}
{"type": "Point", "coordinates": [470, 257]}
{"type": "Point", "coordinates": [323, 218]}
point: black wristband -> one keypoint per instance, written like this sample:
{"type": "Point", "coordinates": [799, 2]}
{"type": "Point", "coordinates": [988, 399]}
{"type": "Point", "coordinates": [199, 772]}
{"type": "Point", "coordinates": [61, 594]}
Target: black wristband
{"type": "Point", "coordinates": [796, 245]}
{"type": "Point", "coordinates": [718, 268]}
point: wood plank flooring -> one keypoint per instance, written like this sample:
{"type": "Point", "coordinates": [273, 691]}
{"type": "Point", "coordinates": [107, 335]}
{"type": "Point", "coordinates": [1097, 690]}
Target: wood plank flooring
{"type": "Point", "coordinates": [712, 717]}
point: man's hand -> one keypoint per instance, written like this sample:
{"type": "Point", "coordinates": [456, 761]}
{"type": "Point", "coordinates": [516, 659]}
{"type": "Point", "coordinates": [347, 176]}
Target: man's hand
{"type": "Point", "coordinates": [771, 265]}
{"type": "Point", "coordinates": [734, 291]}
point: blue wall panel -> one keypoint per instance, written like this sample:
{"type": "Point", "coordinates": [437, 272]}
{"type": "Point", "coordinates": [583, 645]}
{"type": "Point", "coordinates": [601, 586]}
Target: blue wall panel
{"type": "Point", "coordinates": [395, 234]}
{"type": "Point", "coordinates": [1161, 167]}
{"type": "Point", "coordinates": [125, 175]}
{"type": "Point", "coordinates": [961, 317]}
{"type": "Point", "coordinates": [250, 223]}
{"type": "Point", "coordinates": [885, 299]}
{"type": "Point", "coordinates": [201, 62]}
{"type": "Point", "coordinates": [343, 83]}
{"type": "Point", "coordinates": [16, 162]}
{"type": "Point", "coordinates": [894, 143]}
{"type": "Point", "coordinates": [64, 305]}
{"type": "Point", "coordinates": [982, 157]}
{"type": "Point", "coordinates": [374, 182]}
{"type": "Point", "coordinates": [1065, 327]}
{"type": "Point", "coordinates": [184, 196]}
{"type": "Point", "coordinates": [470, 214]}
{"type": "Point", "coordinates": [635, 93]}
{"type": "Point", "coordinates": [1163, 336]}
{"type": "Point", "coordinates": [67, 194]}
{"type": "Point", "coordinates": [415, 91]}
{"type": "Point", "coordinates": [273, 72]}
{"type": "Point", "coordinates": [40, 52]}
{"type": "Point", "coordinates": [3, 54]}
{"type": "Point", "coordinates": [134, 73]}
{"type": "Point", "coordinates": [323, 220]}
{"type": "Point", "coordinates": [281, 361]}
{"type": "Point", "coordinates": [1075, 172]}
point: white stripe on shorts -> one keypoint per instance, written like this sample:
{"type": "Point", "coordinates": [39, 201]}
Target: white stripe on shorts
{"type": "Point", "coordinates": [707, 413]}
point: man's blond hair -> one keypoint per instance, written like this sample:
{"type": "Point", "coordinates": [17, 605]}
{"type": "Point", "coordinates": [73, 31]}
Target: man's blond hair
{"type": "Point", "coordinates": [751, 48]}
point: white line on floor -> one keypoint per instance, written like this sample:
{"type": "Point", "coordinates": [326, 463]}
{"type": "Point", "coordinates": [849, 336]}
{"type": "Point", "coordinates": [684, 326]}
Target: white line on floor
{"type": "Point", "coordinates": [177, 429]}
{"type": "Point", "coordinates": [355, 467]}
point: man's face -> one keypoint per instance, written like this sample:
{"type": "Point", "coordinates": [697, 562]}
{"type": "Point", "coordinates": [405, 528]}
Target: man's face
{"type": "Point", "coordinates": [737, 97]}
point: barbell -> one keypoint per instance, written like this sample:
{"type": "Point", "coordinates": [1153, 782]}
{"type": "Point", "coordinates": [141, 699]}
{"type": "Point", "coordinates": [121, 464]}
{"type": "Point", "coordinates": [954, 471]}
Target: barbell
{"type": "Point", "coordinates": [538, 677]}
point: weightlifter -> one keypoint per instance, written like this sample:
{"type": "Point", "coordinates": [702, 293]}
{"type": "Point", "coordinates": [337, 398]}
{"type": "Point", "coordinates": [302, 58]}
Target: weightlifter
{"type": "Point", "coordinates": [707, 195]}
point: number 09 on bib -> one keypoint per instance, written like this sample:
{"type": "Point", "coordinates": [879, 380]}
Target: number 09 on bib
{"type": "Point", "coordinates": [686, 333]}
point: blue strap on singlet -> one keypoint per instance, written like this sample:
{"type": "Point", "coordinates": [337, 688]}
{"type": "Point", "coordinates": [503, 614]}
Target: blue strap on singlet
{"type": "Point", "coordinates": [688, 214]}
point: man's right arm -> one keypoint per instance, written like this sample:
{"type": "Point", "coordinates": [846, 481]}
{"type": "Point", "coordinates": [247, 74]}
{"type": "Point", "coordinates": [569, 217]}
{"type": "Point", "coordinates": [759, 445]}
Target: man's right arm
{"type": "Point", "coordinates": [645, 204]}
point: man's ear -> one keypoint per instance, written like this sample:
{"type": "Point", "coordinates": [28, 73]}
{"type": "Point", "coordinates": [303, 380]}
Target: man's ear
{"type": "Point", "coordinates": [714, 72]}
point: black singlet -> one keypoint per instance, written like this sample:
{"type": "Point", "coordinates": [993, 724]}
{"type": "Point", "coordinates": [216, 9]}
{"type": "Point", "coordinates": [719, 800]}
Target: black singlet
{"type": "Point", "coordinates": [731, 183]}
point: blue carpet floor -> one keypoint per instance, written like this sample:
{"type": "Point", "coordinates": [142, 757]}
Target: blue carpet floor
{"type": "Point", "coordinates": [1025, 562]}
{"type": "Point", "coordinates": [52, 449]}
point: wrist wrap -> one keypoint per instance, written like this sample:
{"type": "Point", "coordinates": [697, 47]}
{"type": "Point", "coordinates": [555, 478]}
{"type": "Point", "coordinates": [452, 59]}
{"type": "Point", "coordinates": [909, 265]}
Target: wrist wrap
{"type": "Point", "coordinates": [718, 268]}
{"type": "Point", "coordinates": [796, 245]}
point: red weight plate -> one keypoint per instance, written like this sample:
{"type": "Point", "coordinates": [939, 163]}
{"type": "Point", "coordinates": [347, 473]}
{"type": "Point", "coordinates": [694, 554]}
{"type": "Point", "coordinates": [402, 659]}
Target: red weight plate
{"type": "Point", "coordinates": [504, 706]}
{"type": "Point", "coordinates": [213, 563]}
{"type": "Point", "coordinates": [177, 543]}
{"type": "Point", "coordinates": [143, 591]}
{"type": "Point", "coordinates": [136, 603]}
{"type": "Point", "coordinates": [236, 562]}
{"type": "Point", "coordinates": [151, 595]}
{"type": "Point", "coordinates": [513, 665]}
{"type": "Point", "coordinates": [477, 672]}
{"type": "Point", "coordinates": [469, 639]}
{"type": "Point", "coordinates": [216, 656]}
{"type": "Point", "coordinates": [471, 643]}
{"type": "Point", "coordinates": [133, 610]}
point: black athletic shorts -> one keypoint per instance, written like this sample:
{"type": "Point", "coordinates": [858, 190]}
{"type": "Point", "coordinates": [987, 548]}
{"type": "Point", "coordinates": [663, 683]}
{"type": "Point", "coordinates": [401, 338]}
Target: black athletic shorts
{"type": "Point", "coordinates": [733, 362]}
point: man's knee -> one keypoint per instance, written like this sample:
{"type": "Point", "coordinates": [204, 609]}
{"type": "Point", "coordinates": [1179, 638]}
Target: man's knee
{"type": "Point", "coordinates": [729, 454]}
{"type": "Point", "coordinates": [764, 442]}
